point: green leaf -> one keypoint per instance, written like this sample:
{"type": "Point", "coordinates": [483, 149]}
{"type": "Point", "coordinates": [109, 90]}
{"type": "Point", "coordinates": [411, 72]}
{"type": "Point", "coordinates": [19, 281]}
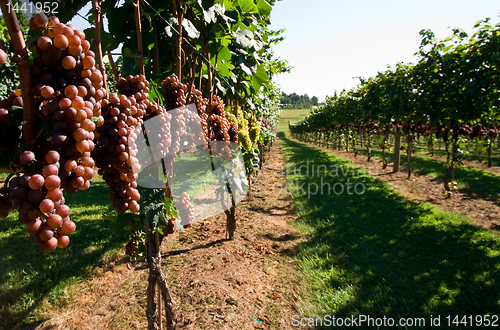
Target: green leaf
{"type": "Point", "coordinates": [170, 207]}
{"type": "Point", "coordinates": [224, 54]}
{"type": "Point", "coordinates": [16, 114]}
{"type": "Point", "coordinates": [264, 8]}
{"type": "Point", "coordinates": [159, 219]}
{"type": "Point", "coordinates": [260, 77]}
{"type": "Point", "coordinates": [223, 69]}
{"type": "Point", "coordinates": [247, 70]}
{"type": "Point", "coordinates": [220, 87]}
{"type": "Point", "coordinates": [190, 29]}
{"type": "Point", "coordinates": [247, 67]}
{"type": "Point", "coordinates": [233, 15]}
{"type": "Point", "coordinates": [209, 15]}
{"type": "Point", "coordinates": [244, 38]}
{"type": "Point", "coordinates": [107, 39]}
{"type": "Point", "coordinates": [125, 221]}
{"type": "Point", "coordinates": [247, 6]}
{"type": "Point", "coordinates": [228, 4]}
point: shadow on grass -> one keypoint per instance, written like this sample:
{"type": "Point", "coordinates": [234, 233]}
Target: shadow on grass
{"type": "Point", "coordinates": [28, 275]}
{"type": "Point", "coordinates": [379, 254]}
{"type": "Point", "coordinates": [473, 181]}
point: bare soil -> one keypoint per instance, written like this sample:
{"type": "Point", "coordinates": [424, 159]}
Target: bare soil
{"type": "Point", "coordinates": [483, 211]}
{"type": "Point", "coordinates": [250, 282]}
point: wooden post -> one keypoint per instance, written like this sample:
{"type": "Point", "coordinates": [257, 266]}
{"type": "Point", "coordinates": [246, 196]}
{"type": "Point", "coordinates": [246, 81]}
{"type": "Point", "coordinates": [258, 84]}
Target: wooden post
{"type": "Point", "coordinates": [139, 35]}
{"type": "Point", "coordinates": [156, 278]}
{"type": "Point", "coordinates": [21, 58]}
{"type": "Point", "coordinates": [489, 151]}
{"type": "Point", "coordinates": [177, 12]}
{"type": "Point", "coordinates": [397, 149]}
{"type": "Point", "coordinates": [408, 153]}
{"type": "Point", "coordinates": [97, 39]}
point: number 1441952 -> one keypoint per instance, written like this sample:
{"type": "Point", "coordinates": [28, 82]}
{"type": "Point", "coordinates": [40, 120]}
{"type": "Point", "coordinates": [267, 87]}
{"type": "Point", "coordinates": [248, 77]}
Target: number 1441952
{"type": "Point", "coordinates": [25, 8]}
{"type": "Point", "coordinates": [473, 321]}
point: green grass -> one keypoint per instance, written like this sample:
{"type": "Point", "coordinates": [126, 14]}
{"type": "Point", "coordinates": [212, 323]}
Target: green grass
{"type": "Point", "coordinates": [380, 254]}
{"type": "Point", "coordinates": [28, 275]}
{"type": "Point", "coordinates": [292, 115]}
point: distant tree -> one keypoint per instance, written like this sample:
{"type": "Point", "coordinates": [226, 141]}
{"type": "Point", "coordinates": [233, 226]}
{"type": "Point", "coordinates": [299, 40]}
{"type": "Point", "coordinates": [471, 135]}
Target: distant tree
{"type": "Point", "coordinates": [295, 101]}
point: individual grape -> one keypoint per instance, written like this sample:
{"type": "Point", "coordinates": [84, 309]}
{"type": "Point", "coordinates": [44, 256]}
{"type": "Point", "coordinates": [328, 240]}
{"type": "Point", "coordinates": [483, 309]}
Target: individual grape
{"type": "Point", "coordinates": [50, 245]}
{"type": "Point", "coordinates": [54, 221]}
{"type": "Point", "coordinates": [33, 226]}
{"type": "Point", "coordinates": [47, 92]}
{"type": "Point", "coordinates": [62, 241]}
{"type": "Point", "coordinates": [46, 232]}
{"type": "Point", "coordinates": [52, 182]}
{"type": "Point", "coordinates": [63, 211]}
{"type": "Point", "coordinates": [40, 19]}
{"type": "Point", "coordinates": [3, 57]}
{"type": "Point", "coordinates": [44, 43]}
{"type": "Point", "coordinates": [68, 227]}
{"type": "Point", "coordinates": [26, 157]}
{"type": "Point", "coordinates": [36, 182]}
{"type": "Point", "coordinates": [52, 157]}
{"type": "Point", "coordinates": [46, 206]}
{"type": "Point", "coordinates": [61, 41]}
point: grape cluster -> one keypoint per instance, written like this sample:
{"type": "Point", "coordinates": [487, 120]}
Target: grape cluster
{"type": "Point", "coordinates": [183, 119]}
{"type": "Point", "coordinates": [233, 132]}
{"type": "Point", "coordinates": [174, 93]}
{"type": "Point", "coordinates": [219, 126]}
{"type": "Point", "coordinates": [215, 127]}
{"type": "Point", "coordinates": [40, 201]}
{"type": "Point", "coordinates": [185, 209]}
{"type": "Point", "coordinates": [68, 89]}
{"type": "Point", "coordinates": [113, 154]}
{"type": "Point", "coordinates": [201, 106]}
{"type": "Point", "coordinates": [132, 245]}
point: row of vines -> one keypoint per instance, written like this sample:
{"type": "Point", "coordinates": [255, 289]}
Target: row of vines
{"type": "Point", "coordinates": [452, 93]}
{"type": "Point", "coordinates": [184, 64]}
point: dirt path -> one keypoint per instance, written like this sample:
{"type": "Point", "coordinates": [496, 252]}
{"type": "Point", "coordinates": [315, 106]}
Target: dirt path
{"type": "Point", "coordinates": [248, 283]}
{"type": "Point", "coordinates": [483, 211]}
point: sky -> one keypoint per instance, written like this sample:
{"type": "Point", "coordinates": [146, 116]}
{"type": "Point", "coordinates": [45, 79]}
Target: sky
{"type": "Point", "coordinates": [329, 42]}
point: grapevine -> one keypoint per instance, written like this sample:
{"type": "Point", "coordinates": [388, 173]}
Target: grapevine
{"type": "Point", "coordinates": [67, 88]}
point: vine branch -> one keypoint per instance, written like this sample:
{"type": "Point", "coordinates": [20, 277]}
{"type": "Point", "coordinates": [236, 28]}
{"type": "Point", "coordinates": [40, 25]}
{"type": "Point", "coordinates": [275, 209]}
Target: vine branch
{"type": "Point", "coordinates": [23, 67]}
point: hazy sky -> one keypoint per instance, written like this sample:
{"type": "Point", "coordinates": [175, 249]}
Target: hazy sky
{"type": "Point", "coordinates": [328, 42]}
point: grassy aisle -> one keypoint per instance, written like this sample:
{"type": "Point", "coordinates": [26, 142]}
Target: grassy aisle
{"type": "Point", "coordinates": [376, 253]}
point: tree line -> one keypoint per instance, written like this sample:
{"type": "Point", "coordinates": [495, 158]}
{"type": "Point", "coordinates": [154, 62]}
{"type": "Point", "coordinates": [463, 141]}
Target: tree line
{"type": "Point", "coordinates": [295, 101]}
